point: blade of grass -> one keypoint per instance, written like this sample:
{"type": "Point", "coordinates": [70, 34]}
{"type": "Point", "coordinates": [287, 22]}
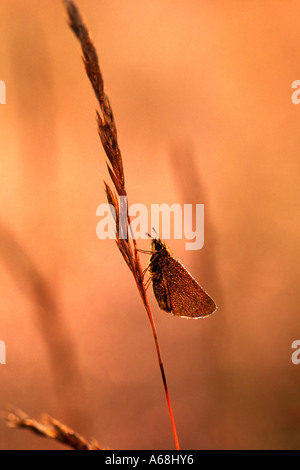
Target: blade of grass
{"type": "Point", "coordinates": [51, 428]}
{"type": "Point", "coordinates": [108, 135]}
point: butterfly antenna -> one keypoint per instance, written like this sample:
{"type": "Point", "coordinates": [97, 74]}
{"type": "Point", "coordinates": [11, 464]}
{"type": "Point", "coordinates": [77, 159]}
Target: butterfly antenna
{"type": "Point", "coordinates": [155, 232]}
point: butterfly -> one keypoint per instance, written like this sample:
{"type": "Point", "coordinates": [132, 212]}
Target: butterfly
{"type": "Point", "coordinates": [174, 287]}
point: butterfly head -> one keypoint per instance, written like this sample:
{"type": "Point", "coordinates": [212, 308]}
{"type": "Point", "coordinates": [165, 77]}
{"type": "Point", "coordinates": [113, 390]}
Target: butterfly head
{"type": "Point", "coordinates": [157, 244]}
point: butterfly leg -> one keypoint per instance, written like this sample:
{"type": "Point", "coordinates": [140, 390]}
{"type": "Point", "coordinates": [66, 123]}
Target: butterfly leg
{"type": "Point", "coordinates": [147, 283]}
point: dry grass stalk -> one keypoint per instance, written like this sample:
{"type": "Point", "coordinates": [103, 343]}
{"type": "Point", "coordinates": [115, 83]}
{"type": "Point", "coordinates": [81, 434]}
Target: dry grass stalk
{"type": "Point", "coordinates": [108, 135]}
{"type": "Point", "coordinates": [50, 428]}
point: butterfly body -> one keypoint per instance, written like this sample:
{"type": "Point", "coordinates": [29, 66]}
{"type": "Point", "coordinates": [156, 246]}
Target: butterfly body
{"type": "Point", "coordinates": [174, 287]}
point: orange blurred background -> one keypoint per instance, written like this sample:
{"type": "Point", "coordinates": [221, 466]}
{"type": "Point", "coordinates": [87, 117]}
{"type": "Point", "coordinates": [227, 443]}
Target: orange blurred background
{"type": "Point", "coordinates": [201, 93]}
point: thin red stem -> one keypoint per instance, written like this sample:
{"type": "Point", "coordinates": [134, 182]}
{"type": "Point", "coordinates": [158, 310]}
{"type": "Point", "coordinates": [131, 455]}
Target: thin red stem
{"type": "Point", "coordinates": [145, 300]}
{"type": "Point", "coordinates": [162, 370]}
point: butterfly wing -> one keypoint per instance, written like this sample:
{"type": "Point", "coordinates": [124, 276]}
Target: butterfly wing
{"type": "Point", "coordinates": [162, 295]}
{"type": "Point", "coordinates": [185, 297]}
